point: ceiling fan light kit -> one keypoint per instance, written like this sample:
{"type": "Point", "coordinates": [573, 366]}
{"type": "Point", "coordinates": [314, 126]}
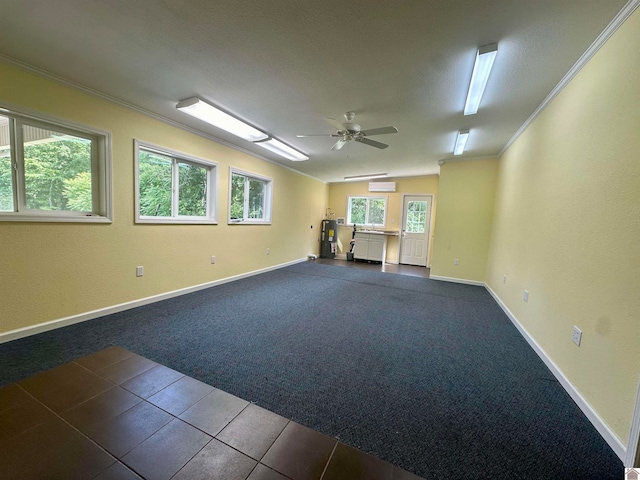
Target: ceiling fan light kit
{"type": "Point", "coordinates": [352, 131]}
{"type": "Point", "coordinates": [485, 56]}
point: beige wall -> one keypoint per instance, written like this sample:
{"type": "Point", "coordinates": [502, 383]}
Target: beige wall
{"type": "Point", "coordinates": [465, 214]}
{"type": "Point", "coordinates": [338, 193]}
{"type": "Point", "coordinates": [567, 229]}
{"type": "Point", "coordinates": [50, 271]}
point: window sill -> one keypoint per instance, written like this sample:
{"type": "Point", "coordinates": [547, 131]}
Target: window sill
{"type": "Point", "coordinates": [175, 221]}
{"type": "Point", "coordinates": [249, 222]}
{"type": "Point", "coordinates": [13, 217]}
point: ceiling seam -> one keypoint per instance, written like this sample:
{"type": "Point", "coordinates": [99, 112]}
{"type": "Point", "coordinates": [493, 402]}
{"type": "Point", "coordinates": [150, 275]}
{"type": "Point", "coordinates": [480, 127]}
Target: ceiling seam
{"type": "Point", "coordinates": [616, 23]}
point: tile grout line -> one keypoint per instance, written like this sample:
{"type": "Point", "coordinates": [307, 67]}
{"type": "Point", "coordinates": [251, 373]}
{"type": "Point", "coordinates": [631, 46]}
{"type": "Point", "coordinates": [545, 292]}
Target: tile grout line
{"type": "Point", "coordinates": [173, 417]}
{"type": "Point", "coordinates": [329, 460]}
{"type": "Point", "coordinates": [116, 459]}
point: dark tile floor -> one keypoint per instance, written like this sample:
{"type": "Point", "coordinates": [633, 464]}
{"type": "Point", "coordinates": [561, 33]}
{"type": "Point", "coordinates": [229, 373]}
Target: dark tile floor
{"type": "Point", "coordinates": [410, 270]}
{"type": "Point", "coordinates": [117, 415]}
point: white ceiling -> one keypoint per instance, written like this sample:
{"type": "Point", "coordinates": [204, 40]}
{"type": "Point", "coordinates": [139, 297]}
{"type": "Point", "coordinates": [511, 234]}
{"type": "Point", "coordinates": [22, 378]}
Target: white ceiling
{"type": "Point", "coordinates": [284, 65]}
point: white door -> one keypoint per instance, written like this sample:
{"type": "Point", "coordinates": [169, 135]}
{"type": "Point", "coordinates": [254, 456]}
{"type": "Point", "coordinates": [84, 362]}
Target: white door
{"type": "Point", "coordinates": [414, 237]}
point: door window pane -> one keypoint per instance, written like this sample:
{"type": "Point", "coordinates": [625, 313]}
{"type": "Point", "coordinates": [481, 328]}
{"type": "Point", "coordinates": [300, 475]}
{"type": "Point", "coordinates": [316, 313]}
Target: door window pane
{"type": "Point", "coordinates": [192, 190]}
{"type": "Point", "coordinates": [155, 184]}
{"type": "Point", "coordinates": [57, 170]}
{"type": "Point", "coordinates": [416, 217]}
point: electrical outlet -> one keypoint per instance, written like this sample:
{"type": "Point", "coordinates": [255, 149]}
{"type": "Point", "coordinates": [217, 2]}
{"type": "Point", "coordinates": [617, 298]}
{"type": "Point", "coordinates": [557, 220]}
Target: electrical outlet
{"type": "Point", "coordinates": [456, 262]}
{"type": "Point", "coordinates": [504, 279]}
{"type": "Point", "coordinates": [576, 336]}
{"type": "Point", "coordinates": [268, 251]}
{"type": "Point", "coordinates": [139, 271]}
{"type": "Point", "coordinates": [525, 296]}
{"type": "Point", "coordinates": [213, 259]}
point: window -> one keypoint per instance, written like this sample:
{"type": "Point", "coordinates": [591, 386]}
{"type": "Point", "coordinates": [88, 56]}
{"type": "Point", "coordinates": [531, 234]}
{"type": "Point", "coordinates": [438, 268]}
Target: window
{"type": "Point", "coordinates": [368, 211]}
{"type": "Point", "coordinates": [53, 171]}
{"type": "Point", "coordinates": [249, 198]}
{"type": "Point", "coordinates": [416, 216]}
{"type": "Point", "coordinates": [172, 187]}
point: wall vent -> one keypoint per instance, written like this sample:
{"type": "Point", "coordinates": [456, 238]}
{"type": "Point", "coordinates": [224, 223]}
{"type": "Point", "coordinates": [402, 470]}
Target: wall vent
{"type": "Point", "coordinates": [382, 186]}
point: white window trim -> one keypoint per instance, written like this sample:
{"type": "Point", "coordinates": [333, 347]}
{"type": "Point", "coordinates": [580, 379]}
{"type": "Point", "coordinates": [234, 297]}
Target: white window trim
{"type": "Point", "coordinates": [268, 197]}
{"type": "Point", "coordinates": [212, 167]}
{"type": "Point", "coordinates": [386, 206]}
{"type": "Point", "coordinates": [101, 165]}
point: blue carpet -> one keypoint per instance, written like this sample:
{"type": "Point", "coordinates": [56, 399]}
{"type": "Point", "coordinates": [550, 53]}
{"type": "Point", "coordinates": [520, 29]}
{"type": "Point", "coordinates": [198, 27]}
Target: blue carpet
{"type": "Point", "coordinates": [428, 375]}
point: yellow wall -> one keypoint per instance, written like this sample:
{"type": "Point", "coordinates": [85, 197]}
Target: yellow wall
{"type": "Point", "coordinates": [50, 271]}
{"type": "Point", "coordinates": [338, 193]}
{"type": "Point", "coordinates": [465, 214]}
{"type": "Point", "coordinates": [567, 229]}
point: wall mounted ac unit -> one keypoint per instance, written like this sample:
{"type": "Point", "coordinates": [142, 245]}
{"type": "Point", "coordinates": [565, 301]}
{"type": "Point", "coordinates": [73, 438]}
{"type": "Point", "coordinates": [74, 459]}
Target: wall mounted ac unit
{"type": "Point", "coordinates": [382, 186]}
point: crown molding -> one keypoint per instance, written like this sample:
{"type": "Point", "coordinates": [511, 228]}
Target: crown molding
{"type": "Point", "coordinates": [130, 106]}
{"type": "Point", "coordinates": [617, 21]}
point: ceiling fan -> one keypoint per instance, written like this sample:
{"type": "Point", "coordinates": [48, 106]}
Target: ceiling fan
{"type": "Point", "coordinates": [351, 131]}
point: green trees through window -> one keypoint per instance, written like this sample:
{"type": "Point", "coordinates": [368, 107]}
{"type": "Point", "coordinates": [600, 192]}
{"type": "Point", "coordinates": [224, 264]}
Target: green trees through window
{"type": "Point", "coordinates": [50, 168]}
{"type": "Point", "coordinates": [250, 198]}
{"type": "Point", "coordinates": [416, 217]}
{"type": "Point", "coordinates": [368, 211]}
{"type": "Point", "coordinates": [171, 187]}
{"type": "Point", "coordinates": [57, 174]}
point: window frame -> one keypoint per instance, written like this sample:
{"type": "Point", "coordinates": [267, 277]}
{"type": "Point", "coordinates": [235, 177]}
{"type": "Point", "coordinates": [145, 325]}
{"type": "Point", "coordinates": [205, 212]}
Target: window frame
{"type": "Point", "coordinates": [101, 168]}
{"type": "Point", "coordinates": [268, 198]}
{"type": "Point", "coordinates": [211, 217]}
{"type": "Point", "coordinates": [368, 199]}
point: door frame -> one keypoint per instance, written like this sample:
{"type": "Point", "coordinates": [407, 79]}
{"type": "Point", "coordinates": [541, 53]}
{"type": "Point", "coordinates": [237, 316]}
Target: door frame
{"type": "Point", "coordinates": [400, 242]}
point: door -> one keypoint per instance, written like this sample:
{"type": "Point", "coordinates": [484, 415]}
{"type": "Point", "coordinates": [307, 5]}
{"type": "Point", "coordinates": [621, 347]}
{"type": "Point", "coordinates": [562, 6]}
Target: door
{"type": "Point", "coordinates": [414, 237]}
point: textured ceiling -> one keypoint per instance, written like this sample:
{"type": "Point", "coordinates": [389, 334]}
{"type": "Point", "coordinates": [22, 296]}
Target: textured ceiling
{"type": "Point", "coordinates": [284, 65]}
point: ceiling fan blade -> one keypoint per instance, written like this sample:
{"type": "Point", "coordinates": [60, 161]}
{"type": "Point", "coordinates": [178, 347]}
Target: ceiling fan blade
{"type": "Point", "coordinates": [319, 135]}
{"type": "Point", "coordinates": [380, 131]}
{"type": "Point", "coordinates": [339, 145]}
{"type": "Point", "coordinates": [336, 124]}
{"type": "Point", "coordinates": [371, 143]}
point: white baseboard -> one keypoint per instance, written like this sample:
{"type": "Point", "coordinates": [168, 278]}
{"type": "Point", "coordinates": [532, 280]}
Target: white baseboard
{"type": "Point", "coordinates": [611, 438]}
{"type": "Point", "coordinates": [457, 280]}
{"type": "Point", "coordinates": [633, 455]}
{"type": "Point", "coordinates": [63, 322]}
{"type": "Point", "coordinates": [341, 256]}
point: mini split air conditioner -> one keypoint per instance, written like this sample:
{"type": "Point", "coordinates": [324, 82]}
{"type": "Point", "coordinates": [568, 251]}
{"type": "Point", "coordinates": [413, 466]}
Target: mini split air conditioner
{"type": "Point", "coordinates": [382, 186]}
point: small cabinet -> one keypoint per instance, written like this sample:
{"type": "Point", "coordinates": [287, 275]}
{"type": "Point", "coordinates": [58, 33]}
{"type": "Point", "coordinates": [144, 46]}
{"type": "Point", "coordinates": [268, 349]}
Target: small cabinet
{"type": "Point", "coordinates": [370, 246]}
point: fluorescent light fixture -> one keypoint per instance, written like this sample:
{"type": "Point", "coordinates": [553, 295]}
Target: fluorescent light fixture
{"type": "Point", "coordinates": [200, 109]}
{"type": "Point", "coordinates": [365, 177]}
{"type": "Point", "coordinates": [461, 141]}
{"type": "Point", "coordinates": [481, 69]}
{"type": "Point", "coordinates": [276, 146]}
